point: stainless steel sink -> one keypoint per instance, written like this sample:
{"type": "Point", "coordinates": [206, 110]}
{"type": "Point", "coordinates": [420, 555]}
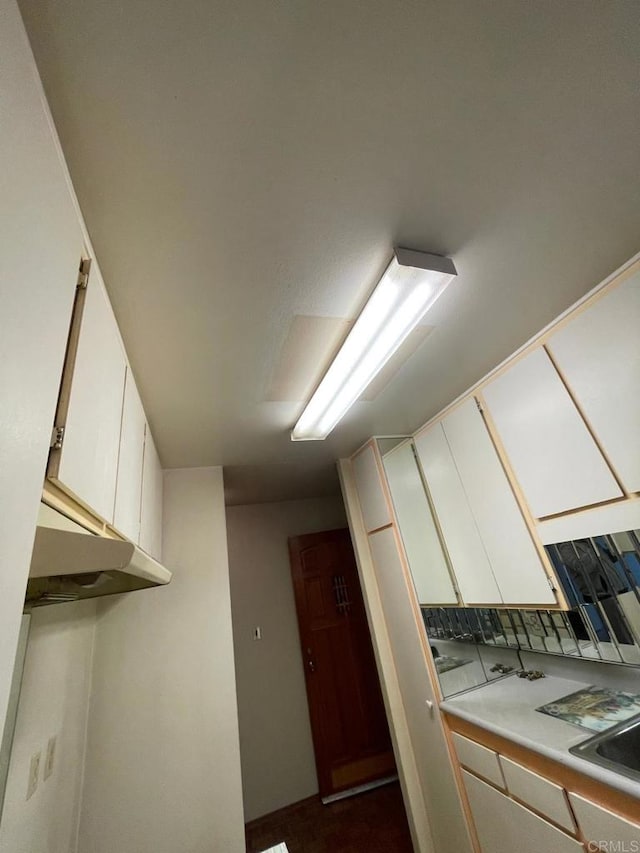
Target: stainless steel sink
{"type": "Point", "coordinates": [617, 749]}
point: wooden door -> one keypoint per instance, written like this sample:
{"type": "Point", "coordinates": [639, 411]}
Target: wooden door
{"type": "Point", "coordinates": [348, 721]}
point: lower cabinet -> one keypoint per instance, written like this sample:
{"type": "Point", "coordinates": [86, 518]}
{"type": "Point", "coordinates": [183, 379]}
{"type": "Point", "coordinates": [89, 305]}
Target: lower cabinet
{"type": "Point", "coordinates": [505, 826]}
{"type": "Point", "coordinates": [604, 830]}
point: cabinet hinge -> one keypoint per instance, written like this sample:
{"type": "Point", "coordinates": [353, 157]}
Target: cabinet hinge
{"type": "Point", "coordinates": [57, 437]}
{"type": "Point", "coordinates": [479, 404]}
{"type": "Point", "coordinates": [552, 583]}
{"type": "Point", "coordinates": [83, 274]}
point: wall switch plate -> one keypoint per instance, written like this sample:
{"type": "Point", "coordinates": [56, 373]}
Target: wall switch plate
{"type": "Point", "coordinates": [34, 773]}
{"type": "Point", "coordinates": [50, 757]}
{"type": "Point", "coordinates": [257, 633]}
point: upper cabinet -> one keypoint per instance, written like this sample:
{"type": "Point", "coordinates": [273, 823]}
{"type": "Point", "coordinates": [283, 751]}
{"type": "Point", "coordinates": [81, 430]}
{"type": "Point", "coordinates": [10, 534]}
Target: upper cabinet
{"type": "Point", "coordinates": [493, 554]}
{"type": "Point", "coordinates": [417, 526]}
{"type": "Point", "coordinates": [553, 455]}
{"type": "Point", "coordinates": [373, 503]}
{"type": "Point", "coordinates": [460, 533]}
{"type": "Point", "coordinates": [104, 455]}
{"type": "Point", "coordinates": [598, 354]}
{"type": "Point", "coordinates": [126, 517]}
{"type": "Point", "coordinates": [90, 404]}
{"type": "Point", "coordinates": [152, 492]}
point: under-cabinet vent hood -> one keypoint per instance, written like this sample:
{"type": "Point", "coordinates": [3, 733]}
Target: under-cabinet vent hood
{"type": "Point", "coordinates": [69, 563]}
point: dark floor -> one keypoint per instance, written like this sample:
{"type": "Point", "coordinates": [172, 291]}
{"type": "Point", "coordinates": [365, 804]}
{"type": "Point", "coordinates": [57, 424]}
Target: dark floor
{"type": "Point", "coordinates": [374, 822]}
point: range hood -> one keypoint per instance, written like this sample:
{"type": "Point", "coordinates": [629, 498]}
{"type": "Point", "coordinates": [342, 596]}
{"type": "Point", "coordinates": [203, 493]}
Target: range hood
{"type": "Point", "coordinates": [70, 564]}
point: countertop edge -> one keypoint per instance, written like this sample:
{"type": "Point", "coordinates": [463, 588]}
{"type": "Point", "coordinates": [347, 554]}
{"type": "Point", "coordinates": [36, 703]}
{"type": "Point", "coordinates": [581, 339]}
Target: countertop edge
{"type": "Point", "coordinates": [580, 765]}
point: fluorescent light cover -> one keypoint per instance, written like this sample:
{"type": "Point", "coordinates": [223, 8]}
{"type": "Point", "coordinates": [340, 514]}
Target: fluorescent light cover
{"type": "Point", "coordinates": [410, 285]}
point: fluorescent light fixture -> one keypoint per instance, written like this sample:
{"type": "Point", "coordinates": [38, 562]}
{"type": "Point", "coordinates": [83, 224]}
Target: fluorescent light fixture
{"type": "Point", "coordinates": [410, 285]}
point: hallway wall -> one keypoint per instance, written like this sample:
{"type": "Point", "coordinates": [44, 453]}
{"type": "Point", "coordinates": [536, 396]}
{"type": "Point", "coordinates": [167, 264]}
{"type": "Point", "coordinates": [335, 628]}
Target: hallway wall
{"type": "Point", "coordinates": [278, 766]}
{"type": "Point", "coordinates": [163, 760]}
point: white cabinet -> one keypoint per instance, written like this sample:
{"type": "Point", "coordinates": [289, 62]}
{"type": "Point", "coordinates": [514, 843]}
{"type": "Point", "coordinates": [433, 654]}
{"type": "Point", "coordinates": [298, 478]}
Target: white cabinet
{"type": "Point", "coordinates": [432, 760]}
{"type": "Point", "coordinates": [534, 790]}
{"type": "Point", "coordinates": [426, 558]}
{"type": "Point", "coordinates": [554, 457]}
{"type": "Point", "coordinates": [375, 511]}
{"type": "Point", "coordinates": [493, 554]}
{"type": "Point", "coordinates": [151, 509]}
{"type": "Point", "coordinates": [598, 353]}
{"type": "Point", "coordinates": [126, 517]}
{"type": "Point", "coordinates": [602, 827]}
{"type": "Point", "coordinates": [91, 406]}
{"type": "Point", "coordinates": [504, 826]}
{"type": "Point", "coordinates": [483, 761]}
{"type": "Point", "coordinates": [470, 563]}
{"type": "Point", "coordinates": [514, 558]}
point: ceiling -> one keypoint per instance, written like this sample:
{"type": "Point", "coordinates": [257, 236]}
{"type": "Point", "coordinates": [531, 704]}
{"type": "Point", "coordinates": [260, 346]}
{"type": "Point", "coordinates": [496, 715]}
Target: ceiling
{"type": "Point", "coordinates": [241, 163]}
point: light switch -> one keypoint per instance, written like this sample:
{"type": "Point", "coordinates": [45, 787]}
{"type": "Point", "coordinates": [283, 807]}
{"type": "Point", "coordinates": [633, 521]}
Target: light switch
{"type": "Point", "coordinates": [257, 633]}
{"type": "Point", "coordinates": [34, 773]}
{"type": "Point", "coordinates": [50, 757]}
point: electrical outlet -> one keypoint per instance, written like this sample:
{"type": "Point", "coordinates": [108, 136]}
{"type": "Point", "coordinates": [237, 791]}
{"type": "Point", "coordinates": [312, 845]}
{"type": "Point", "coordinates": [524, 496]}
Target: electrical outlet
{"type": "Point", "coordinates": [34, 773]}
{"type": "Point", "coordinates": [49, 759]}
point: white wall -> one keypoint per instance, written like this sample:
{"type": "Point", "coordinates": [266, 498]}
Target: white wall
{"type": "Point", "coordinates": [54, 700]}
{"type": "Point", "coordinates": [278, 766]}
{"type": "Point", "coordinates": [40, 248]}
{"type": "Point", "coordinates": [163, 761]}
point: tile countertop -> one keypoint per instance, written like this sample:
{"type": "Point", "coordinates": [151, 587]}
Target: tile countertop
{"type": "Point", "coordinates": [507, 708]}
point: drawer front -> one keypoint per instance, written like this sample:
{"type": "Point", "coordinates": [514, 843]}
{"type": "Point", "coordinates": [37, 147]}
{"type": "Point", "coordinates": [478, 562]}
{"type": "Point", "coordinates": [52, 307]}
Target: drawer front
{"type": "Point", "coordinates": [543, 796]}
{"type": "Point", "coordinates": [504, 826]}
{"type": "Point", "coordinates": [479, 759]}
{"type": "Point", "coordinates": [603, 829]}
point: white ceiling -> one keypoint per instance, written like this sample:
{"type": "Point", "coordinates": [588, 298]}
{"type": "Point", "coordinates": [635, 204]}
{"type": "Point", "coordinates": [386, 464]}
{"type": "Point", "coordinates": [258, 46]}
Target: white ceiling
{"type": "Point", "coordinates": [241, 162]}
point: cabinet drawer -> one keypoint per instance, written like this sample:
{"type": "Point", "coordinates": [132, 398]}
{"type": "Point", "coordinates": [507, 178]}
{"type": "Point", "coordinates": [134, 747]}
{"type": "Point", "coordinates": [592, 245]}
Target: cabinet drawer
{"type": "Point", "coordinates": [504, 826]}
{"type": "Point", "coordinates": [603, 829]}
{"type": "Point", "coordinates": [479, 759]}
{"type": "Point", "coordinates": [542, 795]}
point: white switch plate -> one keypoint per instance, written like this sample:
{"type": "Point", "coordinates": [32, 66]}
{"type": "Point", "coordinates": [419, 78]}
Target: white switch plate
{"type": "Point", "coordinates": [34, 773]}
{"type": "Point", "coordinates": [50, 757]}
{"type": "Point", "coordinates": [257, 633]}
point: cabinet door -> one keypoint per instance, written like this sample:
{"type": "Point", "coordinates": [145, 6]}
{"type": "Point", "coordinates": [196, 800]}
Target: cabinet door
{"type": "Point", "coordinates": [87, 465]}
{"type": "Point", "coordinates": [433, 763]}
{"type": "Point", "coordinates": [375, 511]}
{"type": "Point", "coordinates": [428, 564]}
{"type": "Point", "coordinates": [602, 827]}
{"type": "Point", "coordinates": [544, 796]}
{"type": "Point", "coordinates": [598, 353]}
{"type": "Point", "coordinates": [504, 826]}
{"type": "Point", "coordinates": [552, 453]}
{"type": "Point", "coordinates": [129, 481]}
{"type": "Point", "coordinates": [468, 557]}
{"type": "Point", "coordinates": [515, 562]}
{"type": "Point", "coordinates": [151, 510]}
